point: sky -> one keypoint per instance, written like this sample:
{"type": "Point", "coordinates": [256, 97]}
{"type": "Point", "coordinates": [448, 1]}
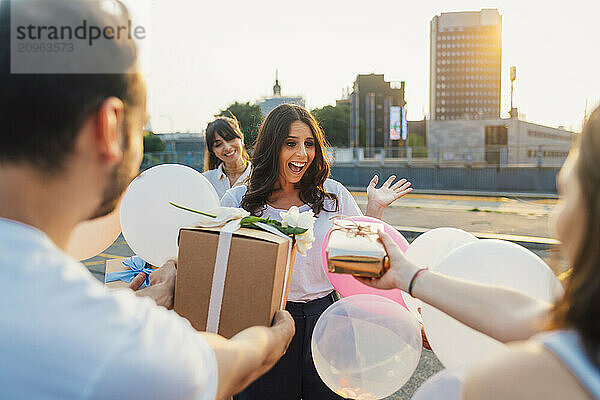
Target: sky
{"type": "Point", "coordinates": [201, 56]}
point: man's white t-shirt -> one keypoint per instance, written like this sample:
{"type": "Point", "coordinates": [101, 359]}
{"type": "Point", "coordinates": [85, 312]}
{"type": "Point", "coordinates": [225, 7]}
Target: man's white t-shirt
{"type": "Point", "coordinates": [309, 280]}
{"type": "Point", "coordinates": [63, 336]}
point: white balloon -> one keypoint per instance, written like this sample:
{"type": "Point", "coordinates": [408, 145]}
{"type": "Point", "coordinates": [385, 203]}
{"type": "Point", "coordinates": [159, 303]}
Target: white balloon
{"type": "Point", "coordinates": [149, 223]}
{"type": "Point", "coordinates": [493, 262]}
{"type": "Point", "coordinates": [366, 346]}
{"type": "Point", "coordinates": [428, 250]}
{"type": "Point", "coordinates": [446, 384]}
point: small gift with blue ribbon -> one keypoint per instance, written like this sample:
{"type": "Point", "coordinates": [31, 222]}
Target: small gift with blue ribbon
{"type": "Point", "coordinates": [135, 266]}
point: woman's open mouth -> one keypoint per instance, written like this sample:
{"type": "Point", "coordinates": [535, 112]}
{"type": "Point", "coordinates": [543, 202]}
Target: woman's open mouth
{"type": "Point", "coordinates": [296, 167]}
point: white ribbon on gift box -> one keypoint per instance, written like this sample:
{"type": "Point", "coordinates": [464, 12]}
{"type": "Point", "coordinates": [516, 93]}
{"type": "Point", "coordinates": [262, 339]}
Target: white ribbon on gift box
{"type": "Point", "coordinates": [220, 271]}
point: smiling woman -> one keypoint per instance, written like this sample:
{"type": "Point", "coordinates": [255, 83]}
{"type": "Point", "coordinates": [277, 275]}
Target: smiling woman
{"type": "Point", "coordinates": [226, 162]}
{"type": "Point", "coordinates": [290, 168]}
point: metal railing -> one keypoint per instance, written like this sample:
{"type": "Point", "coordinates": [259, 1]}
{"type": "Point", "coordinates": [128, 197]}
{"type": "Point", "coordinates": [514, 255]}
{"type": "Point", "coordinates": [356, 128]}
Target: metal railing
{"type": "Point", "coordinates": [467, 156]}
{"type": "Point", "coordinates": [194, 159]}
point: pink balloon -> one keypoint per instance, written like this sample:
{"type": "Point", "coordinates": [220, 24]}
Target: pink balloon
{"type": "Point", "coordinates": [346, 285]}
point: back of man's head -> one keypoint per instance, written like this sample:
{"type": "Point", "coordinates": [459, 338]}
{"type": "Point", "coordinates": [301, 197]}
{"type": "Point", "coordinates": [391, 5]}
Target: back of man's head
{"type": "Point", "coordinates": [42, 113]}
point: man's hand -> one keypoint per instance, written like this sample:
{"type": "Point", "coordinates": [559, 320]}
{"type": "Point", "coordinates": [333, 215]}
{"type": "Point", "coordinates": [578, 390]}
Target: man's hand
{"type": "Point", "coordinates": [284, 327]}
{"type": "Point", "coordinates": [401, 269]}
{"type": "Point", "coordinates": [162, 284]}
{"type": "Point", "coordinates": [379, 199]}
{"type": "Point", "coordinates": [250, 353]}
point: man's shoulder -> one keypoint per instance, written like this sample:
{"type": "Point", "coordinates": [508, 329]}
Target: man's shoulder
{"type": "Point", "coordinates": [63, 321]}
{"type": "Point", "coordinates": [28, 252]}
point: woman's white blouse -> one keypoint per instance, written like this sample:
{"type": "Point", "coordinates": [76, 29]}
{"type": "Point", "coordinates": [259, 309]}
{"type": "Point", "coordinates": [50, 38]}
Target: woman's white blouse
{"type": "Point", "coordinates": [309, 280]}
{"type": "Point", "coordinates": [220, 181]}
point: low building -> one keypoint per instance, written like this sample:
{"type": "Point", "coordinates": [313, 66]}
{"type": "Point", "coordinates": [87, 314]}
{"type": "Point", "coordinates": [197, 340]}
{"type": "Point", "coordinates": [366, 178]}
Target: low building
{"type": "Point", "coordinates": [372, 101]}
{"type": "Point", "coordinates": [178, 141]}
{"type": "Point", "coordinates": [497, 142]}
{"type": "Point", "coordinates": [180, 148]}
{"type": "Point", "coordinates": [267, 104]}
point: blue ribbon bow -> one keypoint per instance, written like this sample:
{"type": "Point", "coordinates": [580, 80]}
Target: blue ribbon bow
{"type": "Point", "coordinates": [136, 265]}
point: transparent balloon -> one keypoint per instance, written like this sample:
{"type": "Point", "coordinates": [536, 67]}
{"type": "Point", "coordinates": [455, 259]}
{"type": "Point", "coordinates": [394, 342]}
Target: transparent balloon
{"type": "Point", "coordinates": [492, 262]}
{"type": "Point", "coordinates": [428, 250]}
{"type": "Point", "coordinates": [446, 384]}
{"type": "Point", "coordinates": [150, 223]}
{"type": "Point", "coordinates": [366, 347]}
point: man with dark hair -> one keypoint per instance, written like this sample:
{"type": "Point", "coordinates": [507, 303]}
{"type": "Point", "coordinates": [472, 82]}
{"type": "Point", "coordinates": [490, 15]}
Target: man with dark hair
{"type": "Point", "coordinates": [71, 143]}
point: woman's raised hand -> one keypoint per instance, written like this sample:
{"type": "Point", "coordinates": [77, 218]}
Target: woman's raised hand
{"type": "Point", "coordinates": [379, 199]}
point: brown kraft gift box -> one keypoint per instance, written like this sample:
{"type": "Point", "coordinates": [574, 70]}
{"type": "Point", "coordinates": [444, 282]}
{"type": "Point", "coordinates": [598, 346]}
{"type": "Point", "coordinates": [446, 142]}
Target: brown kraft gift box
{"type": "Point", "coordinates": [254, 282]}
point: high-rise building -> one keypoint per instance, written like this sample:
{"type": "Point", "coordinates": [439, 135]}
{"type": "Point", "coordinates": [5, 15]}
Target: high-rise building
{"type": "Point", "coordinates": [465, 65]}
{"type": "Point", "coordinates": [269, 103]}
{"type": "Point", "coordinates": [371, 102]}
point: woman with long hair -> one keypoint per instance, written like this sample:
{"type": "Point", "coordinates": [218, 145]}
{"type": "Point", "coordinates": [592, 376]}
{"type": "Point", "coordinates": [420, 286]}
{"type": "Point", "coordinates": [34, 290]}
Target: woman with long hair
{"type": "Point", "coordinates": [290, 168]}
{"type": "Point", "coordinates": [558, 356]}
{"type": "Point", "coordinates": [226, 163]}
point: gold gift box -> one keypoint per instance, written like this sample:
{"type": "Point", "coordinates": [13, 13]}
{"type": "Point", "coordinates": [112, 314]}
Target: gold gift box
{"type": "Point", "coordinates": [354, 248]}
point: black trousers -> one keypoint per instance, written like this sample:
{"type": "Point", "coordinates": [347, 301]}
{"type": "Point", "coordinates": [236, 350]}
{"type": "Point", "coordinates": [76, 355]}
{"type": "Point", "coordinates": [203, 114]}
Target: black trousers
{"type": "Point", "coordinates": [294, 376]}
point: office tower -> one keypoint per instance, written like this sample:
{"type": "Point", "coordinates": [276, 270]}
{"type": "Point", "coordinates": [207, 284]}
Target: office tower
{"type": "Point", "coordinates": [465, 65]}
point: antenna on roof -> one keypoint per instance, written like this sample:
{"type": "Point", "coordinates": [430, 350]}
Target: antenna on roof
{"type": "Point", "coordinates": [276, 87]}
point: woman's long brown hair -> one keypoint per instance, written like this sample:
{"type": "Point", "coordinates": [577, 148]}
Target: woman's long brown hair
{"type": "Point", "coordinates": [579, 309]}
{"type": "Point", "coordinates": [228, 129]}
{"type": "Point", "coordinates": [265, 162]}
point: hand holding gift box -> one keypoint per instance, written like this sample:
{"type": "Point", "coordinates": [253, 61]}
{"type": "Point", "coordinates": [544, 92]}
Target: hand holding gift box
{"type": "Point", "coordinates": [234, 269]}
{"type": "Point", "coordinates": [134, 273]}
{"type": "Point", "coordinates": [354, 248]}
{"type": "Point", "coordinates": [120, 272]}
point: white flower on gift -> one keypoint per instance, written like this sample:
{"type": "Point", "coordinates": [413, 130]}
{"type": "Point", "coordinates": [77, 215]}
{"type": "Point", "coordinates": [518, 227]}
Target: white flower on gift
{"type": "Point", "coordinates": [304, 241]}
{"type": "Point", "coordinates": [220, 216]}
{"type": "Point", "coordinates": [305, 220]}
{"type": "Point", "coordinates": [234, 218]}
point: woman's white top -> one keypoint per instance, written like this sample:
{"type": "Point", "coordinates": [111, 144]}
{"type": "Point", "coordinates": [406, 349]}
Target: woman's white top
{"type": "Point", "coordinates": [220, 181]}
{"type": "Point", "coordinates": [567, 345]}
{"type": "Point", "coordinates": [309, 280]}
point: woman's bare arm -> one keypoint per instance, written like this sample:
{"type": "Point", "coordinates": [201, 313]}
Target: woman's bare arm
{"type": "Point", "coordinates": [501, 313]}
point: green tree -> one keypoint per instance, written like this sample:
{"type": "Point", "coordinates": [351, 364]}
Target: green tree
{"type": "Point", "coordinates": [418, 144]}
{"type": "Point", "coordinates": [362, 133]}
{"type": "Point", "coordinates": [152, 143]}
{"type": "Point", "coordinates": [248, 115]}
{"type": "Point", "coordinates": [335, 122]}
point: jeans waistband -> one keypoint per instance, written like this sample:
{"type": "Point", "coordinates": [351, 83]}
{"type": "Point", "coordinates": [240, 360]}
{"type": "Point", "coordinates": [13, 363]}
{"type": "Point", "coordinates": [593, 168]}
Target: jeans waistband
{"type": "Point", "coordinates": [311, 307]}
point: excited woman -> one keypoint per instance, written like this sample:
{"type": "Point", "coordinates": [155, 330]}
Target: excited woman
{"type": "Point", "coordinates": [227, 163]}
{"type": "Point", "coordinates": [291, 169]}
